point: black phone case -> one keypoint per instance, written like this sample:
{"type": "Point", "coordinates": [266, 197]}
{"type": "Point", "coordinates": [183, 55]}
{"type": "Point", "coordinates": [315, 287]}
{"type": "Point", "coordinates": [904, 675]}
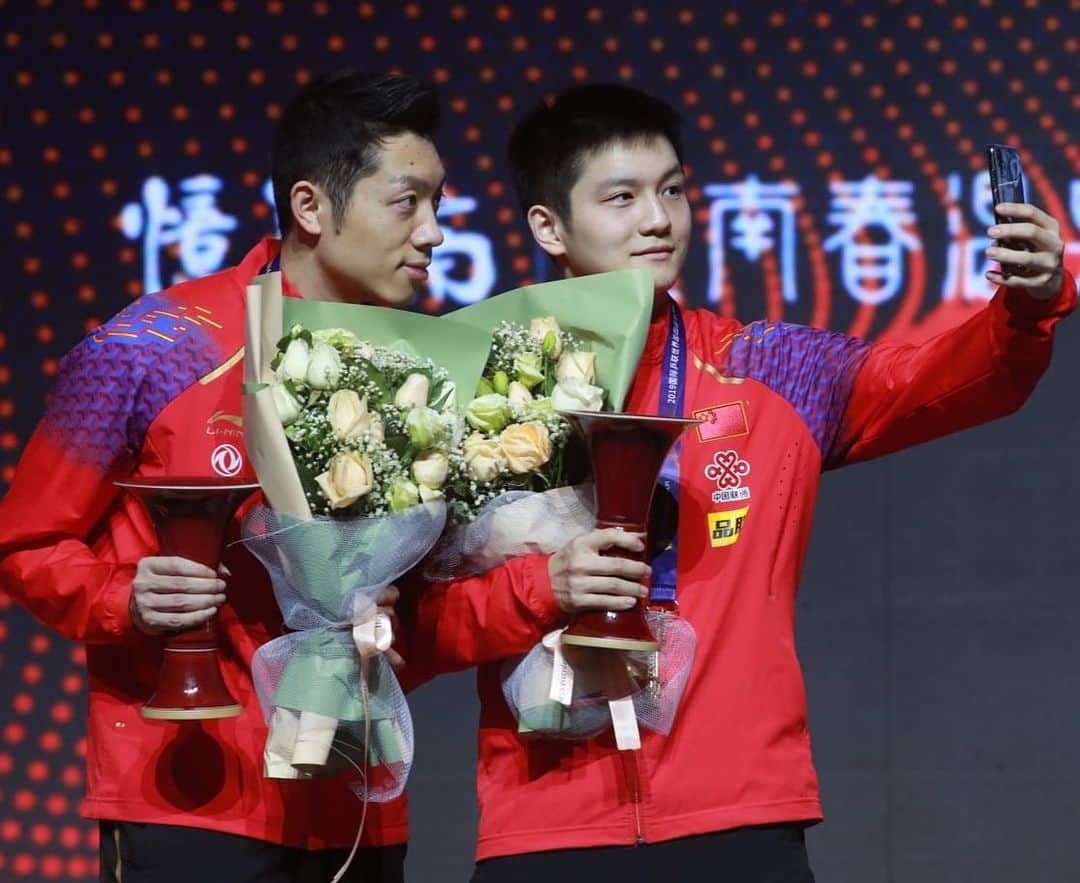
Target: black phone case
{"type": "Point", "coordinates": [1006, 176]}
{"type": "Point", "coordinates": [1006, 185]}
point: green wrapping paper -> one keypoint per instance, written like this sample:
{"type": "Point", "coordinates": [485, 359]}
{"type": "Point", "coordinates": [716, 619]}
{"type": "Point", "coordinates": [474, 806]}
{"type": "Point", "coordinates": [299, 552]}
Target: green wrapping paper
{"type": "Point", "coordinates": [459, 347]}
{"type": "Point", "coordinates": [608, 312]}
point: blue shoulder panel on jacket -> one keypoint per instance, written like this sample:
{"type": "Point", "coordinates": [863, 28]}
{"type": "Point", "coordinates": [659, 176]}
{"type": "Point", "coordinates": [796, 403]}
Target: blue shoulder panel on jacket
{"type": "Point", "coordinates": [814, 370]}
{"type": "Point", "coordinates": [113, 385]}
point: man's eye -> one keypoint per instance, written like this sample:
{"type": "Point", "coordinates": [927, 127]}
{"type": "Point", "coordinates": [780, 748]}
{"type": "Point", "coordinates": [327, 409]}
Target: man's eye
{"type": "Point", "coordinates": [675, 190]}
{"type": "Point", "coordinates": [408, 201]}
{"type": "Point", "coordinates": [621, 197]}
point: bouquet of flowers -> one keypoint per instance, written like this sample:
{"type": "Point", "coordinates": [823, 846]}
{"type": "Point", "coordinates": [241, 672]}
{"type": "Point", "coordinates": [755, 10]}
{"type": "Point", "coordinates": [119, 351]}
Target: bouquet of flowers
{"type": "Point", "coordinates": [565, 346]}
{"type": "Point", "coordinates": [370, 428]}
{"type": "Point", "coordinates": [518, 439]}
{"type": "Point", "coordinates": [350, 431]}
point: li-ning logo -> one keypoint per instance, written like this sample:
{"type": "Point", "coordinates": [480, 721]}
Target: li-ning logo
{"type": "Point", "coordinates": [228, 425]}
{"type": "Point", "coordinates": [227, 460]}
{"type": "Point", "coordinates": [728, 470]}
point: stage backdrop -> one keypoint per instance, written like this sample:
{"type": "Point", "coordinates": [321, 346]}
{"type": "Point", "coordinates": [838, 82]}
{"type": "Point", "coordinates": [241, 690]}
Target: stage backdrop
{"type": "Point", "coordinates": [836, 160]}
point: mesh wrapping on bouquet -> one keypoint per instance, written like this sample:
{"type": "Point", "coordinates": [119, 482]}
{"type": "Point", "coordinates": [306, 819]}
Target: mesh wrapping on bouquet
{"type": "Point", "coordinates": [656, 686]}
{"type": "Point", "coordinates": [327, 574]}
{"type": "Point", "coordinates": [514, 523]}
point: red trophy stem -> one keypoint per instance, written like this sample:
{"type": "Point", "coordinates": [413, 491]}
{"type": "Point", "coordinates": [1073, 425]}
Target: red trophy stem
{"type": "Point", "coordinates": [190, 516]}
{"type": "Point", "coordinates": [627, 452]}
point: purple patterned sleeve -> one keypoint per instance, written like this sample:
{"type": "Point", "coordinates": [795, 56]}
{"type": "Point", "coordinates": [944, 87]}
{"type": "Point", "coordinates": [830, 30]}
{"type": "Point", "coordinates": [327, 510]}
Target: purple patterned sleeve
{"type": "Point", "coordinates": [813, 370]}
{"type": "Point", "coordinates": [112, 386]}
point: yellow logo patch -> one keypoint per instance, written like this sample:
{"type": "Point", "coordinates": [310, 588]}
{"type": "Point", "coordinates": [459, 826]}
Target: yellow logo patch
{"type": "Point", "coordinates": [725, 527]}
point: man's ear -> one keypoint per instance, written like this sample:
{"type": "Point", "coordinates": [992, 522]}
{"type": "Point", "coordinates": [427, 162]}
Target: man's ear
{"type": "Point", "coordinates": [547, 229]}
{"type": "Point", "coordinates": [307, 203]}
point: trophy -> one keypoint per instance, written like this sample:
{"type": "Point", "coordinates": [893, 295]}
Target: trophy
{"type": "Point", "coordinates": [627, 452]}
{"type": "Point", "coordinates": [190, 516]}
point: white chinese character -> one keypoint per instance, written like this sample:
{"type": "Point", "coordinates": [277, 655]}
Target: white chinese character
{"type": "Point", "coordinates": [756, 209]}
{"type": "Point", "coordinates": [196, 226]}
{"type": "Point", "coordinates": [871, 268]}
{"type": "Point", "coordinates": [463, 267]}
{"type": "Point", "coordinates": [966, 261]}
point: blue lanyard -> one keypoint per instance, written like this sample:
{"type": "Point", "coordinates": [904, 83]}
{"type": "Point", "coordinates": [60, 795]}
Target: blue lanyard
{"type": "Point", "coordinates": [672, 389]}
{"type": "Point", "coordinates": [273, 266]}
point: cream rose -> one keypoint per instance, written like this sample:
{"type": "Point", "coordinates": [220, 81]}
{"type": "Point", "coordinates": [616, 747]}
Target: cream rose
{"type": "Point", "coordinates": [430, 494]}
{"type": "Point", "coordinates": [483, 457]}
{"type": "Point", "coordinates": [348, 413]}
{"type": "Point", "coordinates": [526, 446]}
{"type": "Point", "coordinates": [348, 478]}
{"type": "Point", "coordinates": [580, 365]}
{"type": "Point", "coordinates": [541, 326]}
{"type": "Point", "coordinates": [376, 430]}
{"type": "Point", "coordinates": [413, 392]}
{"type": "Point", "coordinates": [518, 394]}
{"type": "Point", "coordinates": [429, 468]}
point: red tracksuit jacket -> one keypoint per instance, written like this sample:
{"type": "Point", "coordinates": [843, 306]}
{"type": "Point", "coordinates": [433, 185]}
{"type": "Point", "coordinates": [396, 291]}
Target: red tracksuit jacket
{"type": "Point", "coordinates": [780, 404]}
{"type": "Point", "coordinates": [157, 391]}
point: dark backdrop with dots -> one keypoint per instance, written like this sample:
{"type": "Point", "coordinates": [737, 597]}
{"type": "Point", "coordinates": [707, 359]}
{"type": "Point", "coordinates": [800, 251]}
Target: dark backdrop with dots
{"type": "Point", "coordinates": [835, 154]}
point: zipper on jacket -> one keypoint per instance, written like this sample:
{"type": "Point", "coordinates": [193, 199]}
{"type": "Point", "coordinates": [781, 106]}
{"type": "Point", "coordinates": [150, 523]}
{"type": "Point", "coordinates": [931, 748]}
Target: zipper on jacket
{"type": "Point", "coordinates": [633, 780]}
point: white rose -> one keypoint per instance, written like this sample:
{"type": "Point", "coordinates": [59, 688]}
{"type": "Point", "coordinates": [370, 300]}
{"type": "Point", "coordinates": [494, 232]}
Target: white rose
{"type": "Point", "coordinates": [324, 369]}
{"type": "Point", "coordinates": [347, 479]}
{"type": "Point", "coordinates": [577, 395]}
{"type": "Point", "coordinates": [430, 494]}
{"type": "Point", "coordinates": [483, 457]}
{"type": "Point", "coordinates": [539, 329]}
{"type": "Point", "coordinates": [518, 394]}
{"type": "Point", "coordinates": [348, 414]}
{"type": "Point", "coordinates": [580, 365]}
{"type": "Point", "coordinates": [429, 468]}
{"type": "Point", "coordinates": [294, 363]}
{"type": "Point", "coordinates": [285, 403]}
{"type": "Point", "coordinates": [413, 392]}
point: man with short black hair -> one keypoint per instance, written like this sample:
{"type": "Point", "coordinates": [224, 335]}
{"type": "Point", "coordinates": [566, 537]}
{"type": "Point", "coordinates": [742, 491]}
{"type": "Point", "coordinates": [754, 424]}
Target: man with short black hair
{"type": "Point", "coordinates": [155, 392]}
{"type": "Point", "coordinates": [727, 793]}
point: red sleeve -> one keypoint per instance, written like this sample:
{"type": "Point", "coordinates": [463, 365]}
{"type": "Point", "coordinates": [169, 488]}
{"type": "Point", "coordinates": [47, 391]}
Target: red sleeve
{"type": "Point", "coordinates": [68, 539]}
{"type": "Point", "coordinates": [455, 625]}
{"type": "Point", "coordinates": [982, 369]}
{"type": "Point", "coordinates": [53, 508]}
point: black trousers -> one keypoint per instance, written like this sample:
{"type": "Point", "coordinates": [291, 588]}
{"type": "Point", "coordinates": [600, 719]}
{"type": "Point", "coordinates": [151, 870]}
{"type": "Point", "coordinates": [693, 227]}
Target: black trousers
{"type": "Point", "coordinates": [136, 853]}
{"type": "Point", "coordinates": [760, 854]}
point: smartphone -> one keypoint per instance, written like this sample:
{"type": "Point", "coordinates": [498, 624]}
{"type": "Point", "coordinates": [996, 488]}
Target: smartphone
{"type": "Point", "coordinates": [1006, 185]}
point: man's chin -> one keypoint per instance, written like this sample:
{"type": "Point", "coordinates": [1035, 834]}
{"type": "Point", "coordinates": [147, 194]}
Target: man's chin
{"type": "Point", "coordinates": [396, 297]}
